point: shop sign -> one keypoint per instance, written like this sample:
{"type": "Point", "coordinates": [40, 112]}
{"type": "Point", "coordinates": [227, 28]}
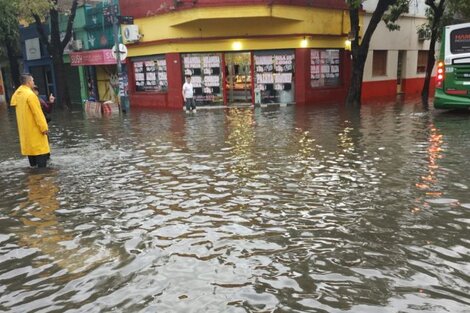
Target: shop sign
{"type": "Point", "coordinates": [151, 74]}
{"type": "Point", "coordinates": [274, 76]}
{"type": "Point", "coordinates": [95, 57]}
{"type": "Point", "coordinates": [33, 49]}
{"type": "Point", "coordinates": [325, 67]}
{"type": "Point", "coordinates": [127, 20]}
{"type": "Point", "coordinates": [122, 52]}
{"type": "Point", "coordinates": [205, 72]}
{"type": "Point", "coordinates": [123, 85]}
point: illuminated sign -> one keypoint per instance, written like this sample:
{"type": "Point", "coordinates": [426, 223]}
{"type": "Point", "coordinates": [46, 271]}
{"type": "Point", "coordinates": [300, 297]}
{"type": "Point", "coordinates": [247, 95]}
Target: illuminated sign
{"type": "Point", "coordinates": [460, 41]}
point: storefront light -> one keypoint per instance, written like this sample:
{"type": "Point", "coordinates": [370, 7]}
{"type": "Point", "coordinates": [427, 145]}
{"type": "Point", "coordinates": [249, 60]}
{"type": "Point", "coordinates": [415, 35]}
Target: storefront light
{"type": "Point", "coordinates": [304, 43]}
{"type": "Point", "coordinates": [237, 45]}
{"type": "Point", "coordinates": [347, 45]}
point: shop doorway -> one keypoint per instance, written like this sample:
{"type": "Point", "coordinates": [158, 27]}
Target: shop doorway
{"type": "Point", "coordinates": [43, 79]}
{"type": "Point", "coordinates": [238, 79]}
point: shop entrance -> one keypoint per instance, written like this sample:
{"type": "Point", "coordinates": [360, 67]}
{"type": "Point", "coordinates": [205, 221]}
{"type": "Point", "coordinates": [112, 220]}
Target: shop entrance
{"type": "Point", "coordinates": [43, 79]}
{"type": "Point", "coordinates": [238, 82]}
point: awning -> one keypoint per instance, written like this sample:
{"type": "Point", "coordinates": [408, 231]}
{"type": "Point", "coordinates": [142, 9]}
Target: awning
{"type": "Point", "coordinates": [93, 57]}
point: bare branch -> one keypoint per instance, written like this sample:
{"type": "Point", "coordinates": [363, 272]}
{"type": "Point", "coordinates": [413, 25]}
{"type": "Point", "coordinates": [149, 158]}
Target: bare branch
{"type": "Point", "coordinates": [68, 32]}
{"type": "Point", "coordinates": [431, 4]}
{"type": "Point", "coordinates": [41, 32]}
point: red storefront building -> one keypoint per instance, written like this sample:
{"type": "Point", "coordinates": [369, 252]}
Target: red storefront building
{"type": "Point", "coordinates": [244, 51]}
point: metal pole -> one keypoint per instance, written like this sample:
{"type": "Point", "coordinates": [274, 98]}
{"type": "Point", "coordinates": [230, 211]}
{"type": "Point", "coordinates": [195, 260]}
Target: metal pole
{"type": "Point", "coordinates": [122, 76]}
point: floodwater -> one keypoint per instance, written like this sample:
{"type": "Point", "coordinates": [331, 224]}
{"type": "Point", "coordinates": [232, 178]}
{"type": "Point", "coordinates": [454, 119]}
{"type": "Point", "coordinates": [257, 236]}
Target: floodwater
{"type": "Point", "coordinates": [278, 209]}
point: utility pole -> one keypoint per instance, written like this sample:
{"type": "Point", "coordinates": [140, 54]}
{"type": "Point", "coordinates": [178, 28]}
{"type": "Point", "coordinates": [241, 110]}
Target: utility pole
{"type": "Point", "coordinates": [112, 13]}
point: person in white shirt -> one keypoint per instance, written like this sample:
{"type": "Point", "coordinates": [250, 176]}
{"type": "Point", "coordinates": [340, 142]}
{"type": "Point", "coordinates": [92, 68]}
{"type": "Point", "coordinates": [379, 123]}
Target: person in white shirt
{"type": "Point", "coordinates": [188, 95]}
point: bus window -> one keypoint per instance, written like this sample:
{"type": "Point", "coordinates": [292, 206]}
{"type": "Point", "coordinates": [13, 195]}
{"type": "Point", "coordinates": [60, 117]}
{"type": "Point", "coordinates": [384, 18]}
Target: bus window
{"type": "Point", "coordinates": [460, 41]}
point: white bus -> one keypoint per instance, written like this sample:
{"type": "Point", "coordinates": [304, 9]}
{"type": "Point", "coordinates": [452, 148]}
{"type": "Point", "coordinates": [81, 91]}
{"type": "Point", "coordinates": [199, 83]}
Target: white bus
{"type": "Point", "coordinates": [453, 68]}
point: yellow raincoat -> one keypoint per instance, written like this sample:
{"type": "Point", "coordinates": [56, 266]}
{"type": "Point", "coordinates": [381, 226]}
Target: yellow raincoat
{"type": "Point", "coordinates": [31, 122]}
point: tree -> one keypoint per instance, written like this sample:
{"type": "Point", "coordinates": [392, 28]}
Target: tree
{"type": "Point", "coordinates": [9, 35]}
{"type": "Point", "coordinates": [459, 10]}
{"type": "Point", "coordinates": [38, 10]}
{"type": "Point", "coordinates": [360, 48]}
{"type": "Point", "coordinates": [435, 25]}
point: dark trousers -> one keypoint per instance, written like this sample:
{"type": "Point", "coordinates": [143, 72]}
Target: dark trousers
{"type": "Point", "coordinates": [190, 104]}
{"type": "Point", "coordinates": [38, 160]}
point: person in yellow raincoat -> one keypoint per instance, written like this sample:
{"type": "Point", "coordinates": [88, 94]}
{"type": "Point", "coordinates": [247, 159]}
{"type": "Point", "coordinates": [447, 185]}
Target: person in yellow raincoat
{"type": "Point", "coordinates": [32, 125]}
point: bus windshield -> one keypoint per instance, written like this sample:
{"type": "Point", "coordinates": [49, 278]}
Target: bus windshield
{"type": "Point", "coordinates": [460, 41]}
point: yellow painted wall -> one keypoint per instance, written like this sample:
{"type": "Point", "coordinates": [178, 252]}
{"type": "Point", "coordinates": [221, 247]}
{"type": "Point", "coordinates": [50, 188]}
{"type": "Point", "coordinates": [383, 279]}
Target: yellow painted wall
{"type": "Point", "coordinates": [246, 44]}
{"type": "Point", "coordinates": [328, 28]}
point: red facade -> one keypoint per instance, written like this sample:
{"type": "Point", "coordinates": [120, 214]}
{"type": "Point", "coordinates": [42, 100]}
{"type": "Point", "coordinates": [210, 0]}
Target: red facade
{"type": "Point", "coordinates": [302, 76]}
{"type": "Point", "coordinates": [305, 94]}
{"type": "Point", "coordinates": [170, 99]}
{"type": "Point", "coordinates": [372, 90]}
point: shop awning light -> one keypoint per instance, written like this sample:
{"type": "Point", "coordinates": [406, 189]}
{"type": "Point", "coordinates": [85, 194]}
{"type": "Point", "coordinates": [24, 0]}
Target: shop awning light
{"type": "Point", "coordinates": [304, 43]}
{"type": "Point", "coordinates": [237, 45]}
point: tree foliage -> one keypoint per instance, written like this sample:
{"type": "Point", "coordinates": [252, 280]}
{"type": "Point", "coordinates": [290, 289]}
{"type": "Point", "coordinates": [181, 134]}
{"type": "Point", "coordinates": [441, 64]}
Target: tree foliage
{"type": "Point", "coordinates": [41, 11]}
{"type": "Point", "coordinates": [9, 37]}
{"type": "Point", "coordinates": [29, 8]}
{"type": "Point", "coordinates": [394, 12]}
{"type": "Point", "coordinates": [460, 9]}
{"type": "Point", "coordinates": [454, 11]}
{"type": "Point", "coordinates": [9, 19]}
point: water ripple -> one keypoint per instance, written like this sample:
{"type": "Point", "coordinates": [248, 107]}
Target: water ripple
{"type": "Point", "coordinates": [240, 210]}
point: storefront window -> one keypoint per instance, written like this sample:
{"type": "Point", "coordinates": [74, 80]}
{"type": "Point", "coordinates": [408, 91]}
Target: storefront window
{"type": "Point", "coordinates": [325, 67]}
{"type": "Point", "coordinates": [205, 76]}
{"type": "Point", "coordinates": [150, 74]}
{"type": "Point", "coordinates": [274, 76]}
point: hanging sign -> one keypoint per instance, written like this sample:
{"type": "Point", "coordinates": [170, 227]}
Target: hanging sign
{"type": "Point", "coordinates": [122, 52]}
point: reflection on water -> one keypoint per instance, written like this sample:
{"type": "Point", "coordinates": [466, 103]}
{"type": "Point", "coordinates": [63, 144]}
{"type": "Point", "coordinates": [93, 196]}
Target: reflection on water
{"type": "Point", "coordinates": [38, 214]}
{"type": "Point", "coordinates": [240, 128]}
{"type": "Point", "coordinates": [429, 182]}
{"type": "Point", "coordinates": [240, 210]}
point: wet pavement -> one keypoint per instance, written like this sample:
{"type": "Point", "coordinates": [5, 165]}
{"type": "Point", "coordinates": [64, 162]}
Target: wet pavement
{"type": "Point", "coordinates": [277, 209]}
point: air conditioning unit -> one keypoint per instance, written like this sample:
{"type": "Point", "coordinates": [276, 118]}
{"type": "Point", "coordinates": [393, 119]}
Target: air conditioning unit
{"type": "Point", "coordinates": [77, 45]}
{"type": "Point", "coordinates": [421, 36]}
{"type": "Point", "coordinates": [130, 33]}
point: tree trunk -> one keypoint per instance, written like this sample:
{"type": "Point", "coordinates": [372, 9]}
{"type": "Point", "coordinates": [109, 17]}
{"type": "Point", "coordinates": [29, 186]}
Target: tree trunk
{"type": "Point", "coordinates": [429, 68]}
{"type": "Point", "coordinates": [57, 52]}
{"type": "Point", "coordinates": [438, 12]}
{"type": "Point", "coordinates": [63, 96]}
{"type": "Point", "coordinates": [12, 53]}
{"type": "Point", "coordinates": [355, 89]}
{"type": "Point", "coordinates": [360, 50]}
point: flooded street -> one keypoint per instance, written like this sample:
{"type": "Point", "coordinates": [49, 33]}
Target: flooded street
{"type": "Point", "coordinates": [278, 209]}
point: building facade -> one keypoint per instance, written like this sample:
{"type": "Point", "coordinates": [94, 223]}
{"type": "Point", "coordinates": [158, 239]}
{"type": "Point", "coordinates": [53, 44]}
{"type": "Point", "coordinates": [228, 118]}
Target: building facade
{"type": "Point", "coordinates": [92, 56]}
{"type": "Point", "coordinates": [396, 61]}
{"type": "Point", "coordinates": [38, 62]}
{"type": "Point", "coordinates": [237, 51]}
{"type": "Point", "coordinates": [36, 59]}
